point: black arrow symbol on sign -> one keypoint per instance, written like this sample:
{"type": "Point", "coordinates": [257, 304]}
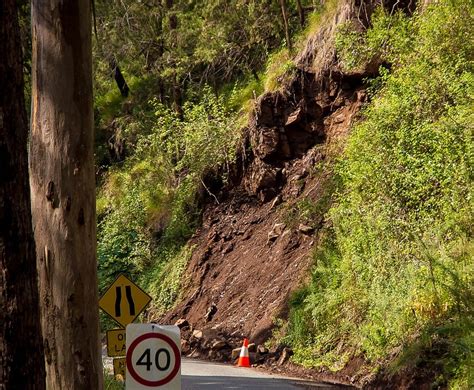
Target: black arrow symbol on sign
{"type": "Point", "coordinates": [128, 294]}
{"type": "Point", "coordinates": [118, 300]}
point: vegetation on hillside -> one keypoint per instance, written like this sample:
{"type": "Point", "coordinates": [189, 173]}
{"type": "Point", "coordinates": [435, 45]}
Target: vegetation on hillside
{"type": "Point", "coordinates": [394, 272]}
{"type": "Point", "coordinates": [191, 69]}
{"type": "Point", "coordinates": [149, 205]}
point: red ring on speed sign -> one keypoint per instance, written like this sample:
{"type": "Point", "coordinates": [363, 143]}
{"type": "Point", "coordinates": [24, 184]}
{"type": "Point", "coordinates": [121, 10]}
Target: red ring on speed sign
{"type": "Point", "coordinates": [171, 375]}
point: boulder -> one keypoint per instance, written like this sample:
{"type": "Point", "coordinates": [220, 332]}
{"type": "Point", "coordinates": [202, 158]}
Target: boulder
{"type": "Point", "coordinates": [263, 180]}
{"type": "Point", "coordinates": [194, 354]}
{"type": "Point", "coordinates": [305, 229]}
{"type": "Point", "coordinates": [265, 142]}
{"type": "Point", "coordinates": [197, 334]}
{"type": "Point", "coordinates": [211, 310]}
{"type": "Point", "coordinates": [294, 117]}
{"type": "Point", "coordinates": [218, 345]}
{"type": "Point", "coordinates": [228, 248]}
{"type": "Point", "coordinates": [235, 353]}
{"type": "Point", "coordinates": [182, 323]}
{"type": "Point", "coordinates": [285, 356]}
{"type": "Point", "coordinates": [276, 232]}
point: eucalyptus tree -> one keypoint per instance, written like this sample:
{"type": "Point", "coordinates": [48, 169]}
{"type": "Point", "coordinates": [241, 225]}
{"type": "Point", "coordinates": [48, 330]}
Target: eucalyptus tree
{"type": "Point", "coordinates": [21, 348]}
{"type": "Point", "coordinates": [63, 192]}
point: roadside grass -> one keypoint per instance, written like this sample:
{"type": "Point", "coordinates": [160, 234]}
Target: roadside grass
{"type": "Point", "coordinates": [110, 383]}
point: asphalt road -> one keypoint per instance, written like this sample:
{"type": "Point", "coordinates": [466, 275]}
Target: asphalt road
{"type": "Point", "coordinates": [200, 375]}
{"type": "Point", "coordinates": [204, 375]}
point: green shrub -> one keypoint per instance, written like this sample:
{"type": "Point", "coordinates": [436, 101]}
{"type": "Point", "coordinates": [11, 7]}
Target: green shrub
{"type": "Point", "coordinates": [389, 39]}
{"type": "Point", "coordinates": [148, 205]}
{"type": "Point", "coordinates": [401, 265]}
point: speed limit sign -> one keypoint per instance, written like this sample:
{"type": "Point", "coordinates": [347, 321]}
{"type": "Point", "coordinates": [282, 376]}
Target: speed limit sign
{"type": "Point", "coordinates": [153, 357]}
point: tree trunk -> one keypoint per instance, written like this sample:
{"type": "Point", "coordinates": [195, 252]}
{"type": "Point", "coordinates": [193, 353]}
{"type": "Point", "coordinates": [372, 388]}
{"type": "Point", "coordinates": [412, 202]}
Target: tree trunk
{"type": "Point", "coordinates": [284, 14]}
{"type": "Point", "coordinates": [63, 192]}
{"type": "Point", "coordinates": [176, 91]}
{"type": "Point", "coordinates": [21, 347]}
{"type": "Point", "coordinates": [300, 12]}
{"type": "Point", "coordinates": [118, 77]}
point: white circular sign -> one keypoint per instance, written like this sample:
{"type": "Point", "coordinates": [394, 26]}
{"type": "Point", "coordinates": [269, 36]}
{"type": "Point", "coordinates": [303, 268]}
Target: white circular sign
{"type": "Point", "coordinates": [153, 356]}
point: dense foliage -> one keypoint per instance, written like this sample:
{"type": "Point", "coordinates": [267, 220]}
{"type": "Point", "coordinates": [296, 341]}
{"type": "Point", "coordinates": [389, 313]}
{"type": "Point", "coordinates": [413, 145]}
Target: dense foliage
{"type": "Point", "coordinates": [395, 268]}
{"type": "Point", "coordinates": [190, 68]}
{"type": "Point", "coordinates": [148, 206]}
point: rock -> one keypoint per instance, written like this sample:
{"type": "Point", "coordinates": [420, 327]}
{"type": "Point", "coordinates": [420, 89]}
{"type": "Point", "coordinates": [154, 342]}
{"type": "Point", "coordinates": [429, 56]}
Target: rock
{"type": "Point", "coordinates": [194, 355]}
{"type": "Point", "coordinates": [252, 357]}
{"type": "Point", "coordinates": [262, 350]}
{"type": "Point", "coordinates": [237, 333]}
{"type": "Point", "coordinates": [182, 323]}
{"type": "Point", "coordinates": [259, 359]}
{"type": "Point", "coordinates": [305, 229]}
{"type": "Point", "coordinates": [339, 118]}
{"type": "Point", "coordinates": [284, 147]}
{"type": "Point", "coordinates": [285, 356]}
{"type": "Point", "coordinates": [247, 234]}
{"type": "Point", "coordinates": [252, 347]}
{"type": "Point", "coordinates": [276, 202]}
{"type": "Point", "coordinates": [271, 361]}
{"type": "Point", "coordinates": [185, 347]}
{"type": "Point", "coordinates": [263, 180]}
{"type": "Point", "coordinates": [276, 232]}
{"type": "Point", "coordinates": [205, 256]}
{"type": "Point", "coordinates": [213, 235]}
{"type": "Point", "coordinates": [256, 220]}
{"type": "Point", "coordinates": [361, 96]}
{"type": "Point", "coordinates": [218, 345]}
{"type": "Point", "coordinates": [265, 142]}
{"type": "Point", "coordinates": [197, 334]}
{"type": "Point", "coordinates": [235, 353]}
{"type": "Point", "coordinates": [211, 354]}
{"type": "Point", "coordinates": [271, 237]}
{"type": "Point", "coordinates": [211, 310]}
{"type": "Point", "coordinates": [294, 117]}
{"type": "Point", "coordinates": [228, 248]}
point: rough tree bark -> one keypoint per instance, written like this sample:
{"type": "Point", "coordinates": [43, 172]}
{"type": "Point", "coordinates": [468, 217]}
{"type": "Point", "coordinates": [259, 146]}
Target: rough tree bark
{"type": "Point", "coordinates": [63, 192]}
{"type": "Point", "coordinates": [21, 348]}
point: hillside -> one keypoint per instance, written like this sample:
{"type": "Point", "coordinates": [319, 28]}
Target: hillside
{"type": "Point", "coordinates": [254, 247]}
{"type": "Point", "coordinates": [332, 214]}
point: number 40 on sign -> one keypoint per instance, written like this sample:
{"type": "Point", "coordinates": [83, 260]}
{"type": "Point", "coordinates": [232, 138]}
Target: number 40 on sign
{"type": "Point", "coordinates": [153, 357]}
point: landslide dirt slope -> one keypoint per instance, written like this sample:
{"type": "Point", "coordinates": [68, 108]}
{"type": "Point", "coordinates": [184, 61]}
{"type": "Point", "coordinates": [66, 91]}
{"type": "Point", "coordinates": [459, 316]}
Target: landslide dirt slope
{"type": "Point", "coordinates": [250, 252]}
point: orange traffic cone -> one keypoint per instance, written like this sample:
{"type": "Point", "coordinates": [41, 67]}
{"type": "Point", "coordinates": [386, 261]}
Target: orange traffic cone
{"type": "Point", "coordinates": [244, 360]}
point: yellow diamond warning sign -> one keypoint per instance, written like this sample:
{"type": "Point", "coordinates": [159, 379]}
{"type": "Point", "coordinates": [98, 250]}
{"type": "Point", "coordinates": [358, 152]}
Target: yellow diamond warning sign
{"type": "Point", "coordinates": [124, 300]}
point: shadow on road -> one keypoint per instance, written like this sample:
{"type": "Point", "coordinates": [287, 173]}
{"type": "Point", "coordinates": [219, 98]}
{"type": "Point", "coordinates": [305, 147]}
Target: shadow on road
{"type": "Point", "coordinates": [191, 382]}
